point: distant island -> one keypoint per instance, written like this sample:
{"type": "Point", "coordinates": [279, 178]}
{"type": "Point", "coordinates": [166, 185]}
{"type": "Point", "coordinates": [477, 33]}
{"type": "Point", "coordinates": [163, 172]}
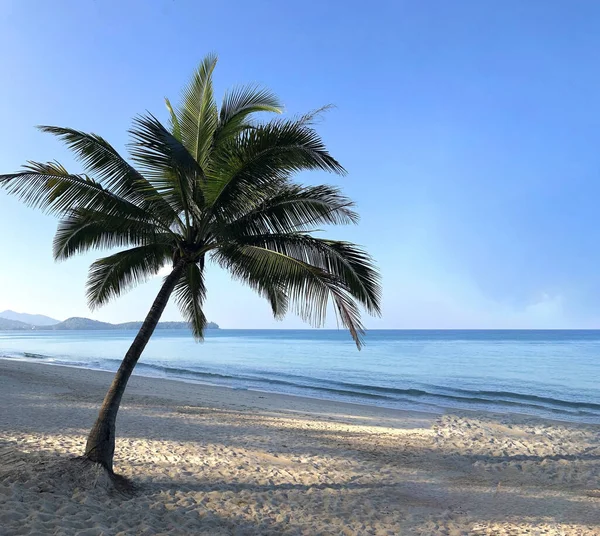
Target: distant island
{"type": "Point", "coordinates": [9, 320]}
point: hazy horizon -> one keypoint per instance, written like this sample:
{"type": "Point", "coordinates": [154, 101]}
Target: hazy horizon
{"type": "Point", "coordinates": [305, 327]}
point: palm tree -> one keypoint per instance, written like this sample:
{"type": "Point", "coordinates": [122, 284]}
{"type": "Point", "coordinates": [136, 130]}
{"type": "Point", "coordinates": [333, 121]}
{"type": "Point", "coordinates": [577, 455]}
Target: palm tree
{"type": "Point", "coordinates": [215, 186]}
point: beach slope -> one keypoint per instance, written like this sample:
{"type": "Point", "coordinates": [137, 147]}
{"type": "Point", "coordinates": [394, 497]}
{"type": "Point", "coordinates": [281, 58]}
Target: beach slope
{"type": "Point", "coordinates": [212, 460]}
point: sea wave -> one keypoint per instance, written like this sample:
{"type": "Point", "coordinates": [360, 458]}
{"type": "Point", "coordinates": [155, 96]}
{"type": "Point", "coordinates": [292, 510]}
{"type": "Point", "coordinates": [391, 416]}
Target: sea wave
{"type": "Point", "coordinates": [427, 397]}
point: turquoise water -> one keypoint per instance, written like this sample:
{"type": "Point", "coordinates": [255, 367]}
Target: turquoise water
{"type": "Point", "coordinates": [549, 373]}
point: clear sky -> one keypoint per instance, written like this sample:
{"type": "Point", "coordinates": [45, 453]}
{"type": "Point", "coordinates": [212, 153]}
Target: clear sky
{"type": "Point", "coordinates": [470, 130]}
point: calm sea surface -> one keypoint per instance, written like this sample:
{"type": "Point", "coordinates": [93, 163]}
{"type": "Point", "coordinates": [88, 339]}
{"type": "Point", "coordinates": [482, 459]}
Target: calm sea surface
{"type": "Point", "coordinates": [550, 373]}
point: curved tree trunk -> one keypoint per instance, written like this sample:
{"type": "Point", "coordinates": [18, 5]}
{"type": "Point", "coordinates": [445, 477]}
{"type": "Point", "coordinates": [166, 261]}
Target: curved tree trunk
{"type": "Point", "coordinates": [100, 447]}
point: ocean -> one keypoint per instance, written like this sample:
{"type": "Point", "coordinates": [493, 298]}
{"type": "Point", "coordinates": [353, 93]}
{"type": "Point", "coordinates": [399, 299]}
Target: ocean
{"type": "Point", "coordinates": [545, 373]}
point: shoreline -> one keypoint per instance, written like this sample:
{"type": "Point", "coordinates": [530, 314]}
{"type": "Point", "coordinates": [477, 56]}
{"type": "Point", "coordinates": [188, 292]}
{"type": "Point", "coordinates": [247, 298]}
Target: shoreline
{"type": "Point", "coordinates": [432, 409]}
{"type": "Point", "coordinates": [435, 410]}
{"type": "Point", "coordinates": [214, 395]}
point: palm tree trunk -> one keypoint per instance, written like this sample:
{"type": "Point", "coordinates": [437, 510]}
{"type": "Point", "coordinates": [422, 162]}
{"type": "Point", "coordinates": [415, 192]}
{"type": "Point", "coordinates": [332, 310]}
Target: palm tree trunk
{"type": "Point", "coordinates": [100, 447]}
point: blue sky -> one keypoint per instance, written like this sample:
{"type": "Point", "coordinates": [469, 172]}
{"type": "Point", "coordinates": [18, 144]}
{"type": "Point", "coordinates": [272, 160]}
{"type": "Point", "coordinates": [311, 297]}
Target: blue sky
{"type": "Point", "coordinates": [470, 130]}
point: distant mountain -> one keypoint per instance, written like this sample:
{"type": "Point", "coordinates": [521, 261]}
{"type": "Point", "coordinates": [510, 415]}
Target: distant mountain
{"type": "Point", "coordinates": [78, 323]}
{"type": "Point", "coordinates": [6, 324]}
{"type": "Point", "coordinates": [34, 320]}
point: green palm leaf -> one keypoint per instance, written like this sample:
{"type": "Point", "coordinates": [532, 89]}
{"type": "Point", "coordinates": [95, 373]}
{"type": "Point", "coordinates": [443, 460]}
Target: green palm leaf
{"type": "Point", "coordinates": [260, 163]}
{"type": "Point", "coordinates": [237, 263]}
{"type": "Point", "coordinates": [167, 163]}
{"type": "Point", "coordinates": [197, 115]}
{"type": "Point", "coordinates": [351, 266]}
{"type": "Point", "coordinates": [52, 188]}
{"type": "Point", "coordinates": [86, 229]}
{"type": "Point", "coordinates": [238, 107]}
{"type": "Point", "coordinates": [173, 121]}
{"type": "Point", "coordinates": [307, 287]}
{"type": "Point", "coordinates": [295, 208]}
{"type": "Point", "coordinates": [190, 293]}
{"type": "Point", "coordinates": [111, 276]}
{"type": "Point", "coordinates": [113, 172]}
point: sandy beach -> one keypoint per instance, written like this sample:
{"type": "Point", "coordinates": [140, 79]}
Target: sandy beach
{"type": "Point", "coordinates": [216, 461]}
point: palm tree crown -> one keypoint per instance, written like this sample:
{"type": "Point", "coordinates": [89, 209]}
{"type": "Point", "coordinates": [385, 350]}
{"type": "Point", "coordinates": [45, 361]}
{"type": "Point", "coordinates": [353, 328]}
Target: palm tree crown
{"type": "Point", "coordinates": [215, 185]}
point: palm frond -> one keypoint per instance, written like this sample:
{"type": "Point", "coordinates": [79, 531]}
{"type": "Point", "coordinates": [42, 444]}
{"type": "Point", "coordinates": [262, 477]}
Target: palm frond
{"type": "Point", "coordinates": [234, 260]}
{"type": "Point", "coordinates": [313, 117]}
{"type": "Point", "coordinates": [238, 106]}
{"type": "Point", "coordinates": [111, 276]}
{"type": "Point", "coordinates": [85, 229]}
{"type": "Point", "coordinates": [166, 162]}
{"type": "Point", "coordinates": [348, 264]}
{"type": "Point", "coordinates": [173, 121]}
{"type": "Point", "coordinates": [198, 116]}
{"type": "Point", "coordinates": [295, 208]}
{"type": "Point", "coordinates": [50, 187]}
{"type": "Point", "coordinates": [358, 271]}
{"type": "Point", "coordinates": [260, 161]}
{"type": "Point", "coordinates": [112, 171]}
{"type": "Point", "coordinates": [307, 287]}
{"type": "Point", "coordinates": [190, 293]}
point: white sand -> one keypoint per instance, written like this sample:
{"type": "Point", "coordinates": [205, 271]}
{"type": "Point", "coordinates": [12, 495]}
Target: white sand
{"type": "Point", "coordinates": [217, 461]}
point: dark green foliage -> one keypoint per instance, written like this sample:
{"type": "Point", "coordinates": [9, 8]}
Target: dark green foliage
{"type": "Point", "coordinates": [216, 185]}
